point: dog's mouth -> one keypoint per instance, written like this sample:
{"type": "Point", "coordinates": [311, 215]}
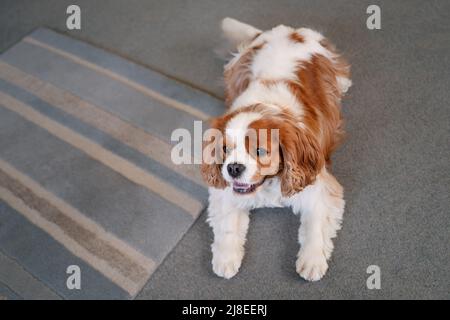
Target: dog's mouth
{"type": "Point", "coordinates": [246, 188]}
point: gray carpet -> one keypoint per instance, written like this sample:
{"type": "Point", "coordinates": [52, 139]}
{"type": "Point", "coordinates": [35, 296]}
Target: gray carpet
{"type": "Point", "coordinates": [394, 165]}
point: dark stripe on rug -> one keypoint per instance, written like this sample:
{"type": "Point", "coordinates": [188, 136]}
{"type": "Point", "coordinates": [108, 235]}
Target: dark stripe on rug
{"type": "Point", "coordinates": [48, 260]}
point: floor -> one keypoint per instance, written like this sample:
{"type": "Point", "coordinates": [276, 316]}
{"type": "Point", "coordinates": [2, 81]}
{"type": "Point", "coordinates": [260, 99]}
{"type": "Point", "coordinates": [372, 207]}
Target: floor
{"type": "Point", "coordinates": [394, 165]}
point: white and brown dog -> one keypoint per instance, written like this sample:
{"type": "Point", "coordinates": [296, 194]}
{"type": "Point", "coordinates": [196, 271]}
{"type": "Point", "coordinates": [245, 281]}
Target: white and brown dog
{"type": "Point", "coordinates": [291, 80]}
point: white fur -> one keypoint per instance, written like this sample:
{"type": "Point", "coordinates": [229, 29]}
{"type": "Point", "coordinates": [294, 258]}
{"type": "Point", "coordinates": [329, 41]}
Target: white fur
{"type": "Point", "coordinates": [344, 84]}
{"type": "Point", "coordinates": [279, 57]}
{"type": "Point", "coordinates": [277, 95]}
{"type": "Point", "coordinates": [321, 204]}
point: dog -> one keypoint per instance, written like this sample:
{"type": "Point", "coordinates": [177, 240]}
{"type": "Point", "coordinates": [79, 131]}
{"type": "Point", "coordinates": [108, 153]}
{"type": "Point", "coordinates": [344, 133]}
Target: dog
{"type": "Point", "coordinates": [290, 81]}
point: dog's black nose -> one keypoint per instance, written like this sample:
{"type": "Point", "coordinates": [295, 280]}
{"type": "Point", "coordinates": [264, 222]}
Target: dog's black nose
{"type": "Point", "coordinates": [235, 169]}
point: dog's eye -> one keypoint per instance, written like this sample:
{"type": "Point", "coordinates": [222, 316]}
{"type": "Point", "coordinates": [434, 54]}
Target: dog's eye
{"type": "Point", "coordinates": [226, 149]}
{"type": "Point", "coordinates": [261, 152]}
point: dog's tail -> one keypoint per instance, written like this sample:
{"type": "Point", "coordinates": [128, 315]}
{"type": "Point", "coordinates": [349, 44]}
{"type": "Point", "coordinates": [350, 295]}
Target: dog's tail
{"type": "Point", "coordinates": [235, 34]}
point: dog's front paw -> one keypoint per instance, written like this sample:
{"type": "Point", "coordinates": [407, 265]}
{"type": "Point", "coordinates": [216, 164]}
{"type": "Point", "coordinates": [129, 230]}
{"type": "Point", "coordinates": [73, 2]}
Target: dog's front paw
{"type": "Point", "coordinates": [226, 261]}
{"type": "Point", "coordinates": [311, 264]}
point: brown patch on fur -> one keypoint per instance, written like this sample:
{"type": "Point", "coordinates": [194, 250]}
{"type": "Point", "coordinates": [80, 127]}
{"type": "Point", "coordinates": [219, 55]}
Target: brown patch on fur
{"type": "Point", "coordinates": [300, 158]}
{"type": "Point", "coordinates": [318, 91]}
{"type": "Point", "coordinates": [237, 76]}
{"type": "Point", "coordinates": [294, 36]}
{"type": "Point", "coordinates": [341, 66]}
{"type": "Point", "coordinates": [212, 175]}
{"type": "Point", "coordinates": [264, 129]}
{"type": "Point", "coordinates": [268, 82]}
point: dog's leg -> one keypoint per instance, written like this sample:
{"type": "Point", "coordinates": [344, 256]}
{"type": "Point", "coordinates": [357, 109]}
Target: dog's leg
{"type": "Point", "coordinates": [230, 225]}
{"type": "Point", "coordinates": [322, 207]}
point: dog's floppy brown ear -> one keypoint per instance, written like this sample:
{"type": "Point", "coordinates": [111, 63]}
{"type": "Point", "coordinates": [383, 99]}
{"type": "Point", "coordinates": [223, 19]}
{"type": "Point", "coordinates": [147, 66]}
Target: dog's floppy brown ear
{"type": "Point", "coordinates": [213, 176]}
{"type": "Point", "coordinates": [212, 158]}
{"type": "Point", "coordinates": [302, 159]}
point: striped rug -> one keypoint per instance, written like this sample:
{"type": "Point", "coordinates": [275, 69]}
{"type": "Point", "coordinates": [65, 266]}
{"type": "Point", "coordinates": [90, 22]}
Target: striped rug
{"type": "Point", "coordinates": [86, 177]}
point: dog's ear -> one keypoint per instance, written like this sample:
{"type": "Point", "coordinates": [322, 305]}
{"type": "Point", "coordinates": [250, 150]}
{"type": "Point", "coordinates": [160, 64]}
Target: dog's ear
{"type": "Point", "coordinates": [212, 174]}
{"type": "Point", "coordinates": [302, 158]}
{"type": "Point", "coordinates": [213, 157]}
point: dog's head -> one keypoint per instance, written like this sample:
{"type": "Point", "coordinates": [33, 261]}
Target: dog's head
{"type": "Point", "coordinates": [256, 144]}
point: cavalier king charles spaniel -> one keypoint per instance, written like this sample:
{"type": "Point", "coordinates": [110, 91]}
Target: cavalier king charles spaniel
{"type": "Point", "coordinates": [283, 92]}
